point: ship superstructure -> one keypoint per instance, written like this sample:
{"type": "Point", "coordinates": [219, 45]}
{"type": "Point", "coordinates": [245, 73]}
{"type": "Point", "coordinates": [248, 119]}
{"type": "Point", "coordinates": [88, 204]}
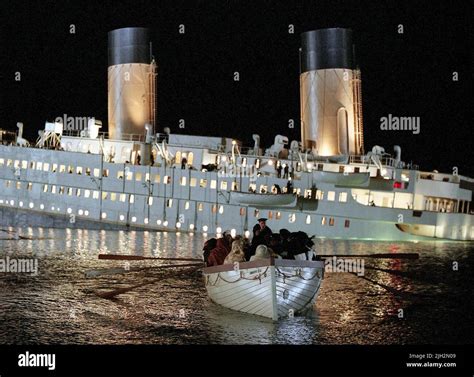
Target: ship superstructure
{"type": "Point", "coordinates": [325, 184]}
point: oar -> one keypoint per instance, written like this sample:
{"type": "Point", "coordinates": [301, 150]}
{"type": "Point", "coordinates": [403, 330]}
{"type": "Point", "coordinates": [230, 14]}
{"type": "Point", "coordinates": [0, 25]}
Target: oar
{"type": "Point", "coordinates": [112, 294]}
{"type": "Point", "coordinates": [378, 255]}
{"type": "Point", "coordinates": [138, 257]}
{"type": "Point", "coordinates": [113, 271]}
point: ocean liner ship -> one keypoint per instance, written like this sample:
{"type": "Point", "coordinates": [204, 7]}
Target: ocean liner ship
{"type": "Point", "coordinates": [133, 177]}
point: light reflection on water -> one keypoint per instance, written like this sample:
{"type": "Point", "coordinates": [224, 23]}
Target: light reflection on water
{"type": "Point", "coordinates": [58, 306]}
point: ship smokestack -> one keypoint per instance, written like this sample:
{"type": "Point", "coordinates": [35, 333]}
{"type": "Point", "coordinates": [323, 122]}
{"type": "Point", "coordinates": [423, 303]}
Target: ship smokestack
{"type": "Point", "coordinates": [131, 82]}
{"type": "Point", "coordinates": [330, 96]}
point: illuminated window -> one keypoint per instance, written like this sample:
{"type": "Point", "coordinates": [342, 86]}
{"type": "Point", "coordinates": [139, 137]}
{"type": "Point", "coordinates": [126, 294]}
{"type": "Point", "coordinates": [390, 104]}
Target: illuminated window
{"type": "Point", "coordinates": [95, 195]}
{"type": "Point", "coordinates": [147, 178]}
{"type": "Point", "coordinates": [214, 208]}
{"type": "Point", "coordinates": [278, 215]}
{"type": "Point", "coordinates": [157, 178]}
{"type": "Point", "coordinates": [129, 176]}
{"type": "Point", "coordinates": [307, 193]}
{"type": "Point", "coordinates": [120, 174]}
{"type": "Point", "coordinates": [331, 221]}
{"type": "Point", "coordinates": [331, 196]}
{"type": "Point", "coordinates": [18, 185]}
{"type": "Point", "coordinates": [53, 189]}
{"type": "Point", "coordinates": [105, 195]}
{"type": "Point", "coordinates": [45, 188]}
{"type": "Point", "coordinates": [292, 218]}
{"type": "Point", "coordinates": [69, 191]}
{"type": "Point", "coordinates": [203, 183]}
{"type": "Point", "coordinates": [24, 164]}
{"type": "Point", "coordinates": [213, 184]}
{"type": "Point", "coordinates": [78, 192]}
{"type": "Point", "coordinates": [123, 197]}
{"type": "Point", "coordinates": [200, 206]}
{"type": "Point", "coordinates": [242, 211]}
{"type": "Point", "coordinates": [343, 197]}
{"type": "Point", "coordinates": [2, 161]}
{"type": "Point", "coordinates": [192, 182]}
{"type": "Point", "coordinates": [105, 172]}
{"type": "Point", "coordinates": [29, 186]}
{"type": "Point", "coordinates": [183, 181]}
{"type": "Point", "coordinates": [319, 195]}
{"type": "Point", "coordinates": [169, 203]}
{"type": "Point", "coordinates": [150, 200]}
{"type": "Point", "coordinates": [39, 165]}
{"type": "Point", "coordinates": [323, 220]}
{"type": "Point", "coordinates": [138, 177]}
{"type": "Point", "coordinates": [78, 170]}
{"type": "Point", "coordinates": [167, 180]}
{"type": "Point", "coordinates": [113, 196]}
{"type": "Point", "coordinates": [224, 185]}
{"type": "Point", "coordinates": [62, 168]}
{"type": "Point", "coordinates": [88, 171]}
{"type": "Point", "coordinates": [61, 190]}
{"type": "Point", "coordinates": [186, 205]}
{"type": "Point", "coordinates": [96, 172]}
{"type": "Point", "coordinates": [308, 219]}
{"type": "Point", "coordinates": [131, 199]}
{"type": "Point", "coordinates": [221, 209]}
{"type": "Point", "coordinates": [256, 213]}
{"type": "Point", "coordinates": [270, 214]}
{"type": "Point", "coordinates": [190, 158]}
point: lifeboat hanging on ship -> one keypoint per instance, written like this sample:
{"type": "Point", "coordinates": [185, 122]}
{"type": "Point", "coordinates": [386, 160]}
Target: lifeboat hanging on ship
{"type": "Point", "coordinates": [267, 199]}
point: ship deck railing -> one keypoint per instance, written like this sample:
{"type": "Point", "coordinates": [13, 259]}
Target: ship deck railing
{"type": "Point", "coordinates": [385, 161]}
{"type": "Point", "coordinates": [106, 135]}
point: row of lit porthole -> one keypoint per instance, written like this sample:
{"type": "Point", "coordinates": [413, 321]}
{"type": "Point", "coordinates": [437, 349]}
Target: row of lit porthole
{"type": "Point", "coordinates": [81, 212]}
{"type": "Point", "coordinates": [41, 206]}
{"type": "Point", "coordinates": [164, 223]}
{"type": "Point", "coordinates": [178, 225]}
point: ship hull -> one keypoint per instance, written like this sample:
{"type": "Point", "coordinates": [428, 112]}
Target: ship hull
{"type": "Point", "coordinates": [71, 189]}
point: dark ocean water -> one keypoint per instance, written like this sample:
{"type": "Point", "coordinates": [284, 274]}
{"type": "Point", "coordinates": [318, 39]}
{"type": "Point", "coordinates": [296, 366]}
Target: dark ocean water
{"type": "Point", "coordinates": [59, 306]}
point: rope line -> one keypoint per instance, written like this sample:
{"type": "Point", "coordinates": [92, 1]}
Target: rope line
{"type": "Point", "coordinates": [298, 274]}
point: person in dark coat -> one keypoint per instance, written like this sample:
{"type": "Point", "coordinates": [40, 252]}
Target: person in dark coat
{"type": "Point", "coordinates": [279, 169]}
{"type": "Point", "coordinates": [261, 234]}
{"type": "Point", "coordinates": [208, 247]}
{"type": "Point", "coordinates": [261, 230]}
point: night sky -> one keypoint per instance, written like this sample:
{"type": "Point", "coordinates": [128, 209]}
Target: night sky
{"type": "Point", "coordinates": [409, 74]}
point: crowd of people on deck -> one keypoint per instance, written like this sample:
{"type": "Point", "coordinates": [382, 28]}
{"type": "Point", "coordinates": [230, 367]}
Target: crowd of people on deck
{"type": "Point", "coordinates": [265, 244]}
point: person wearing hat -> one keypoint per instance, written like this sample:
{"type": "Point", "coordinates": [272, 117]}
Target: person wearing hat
{"type": "Point", "coordinates": [261, 233]}
{"type": "Point", "coordinates": [261, 229]}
